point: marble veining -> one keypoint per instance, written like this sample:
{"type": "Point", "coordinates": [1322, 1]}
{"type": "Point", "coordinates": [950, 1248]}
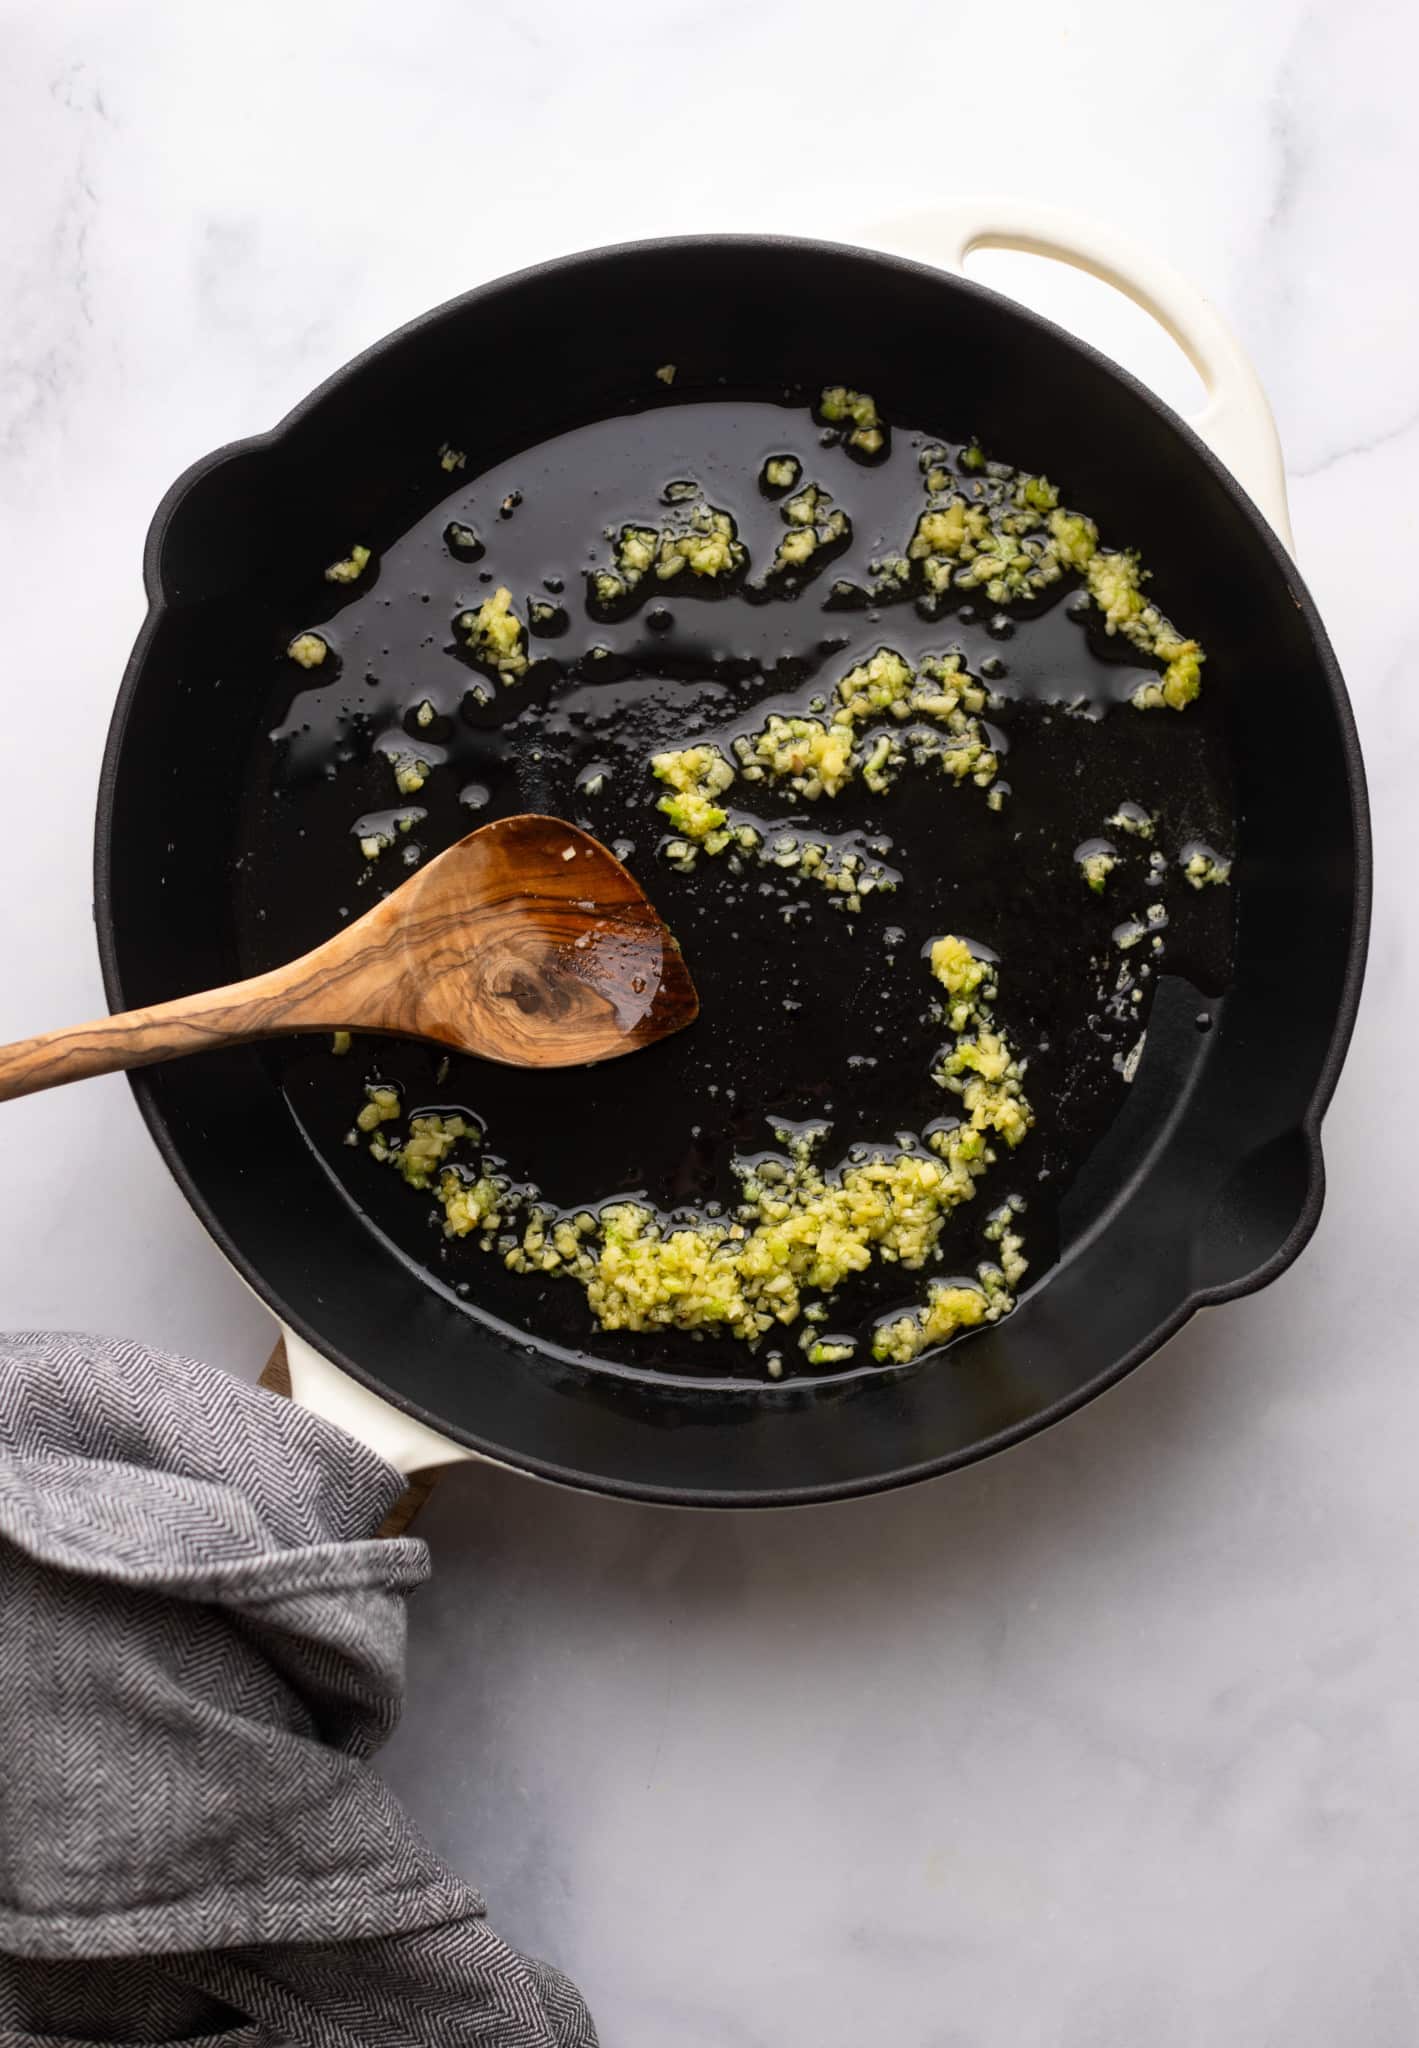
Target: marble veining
{"type": "Point", "coordinates": [1114, 1740]}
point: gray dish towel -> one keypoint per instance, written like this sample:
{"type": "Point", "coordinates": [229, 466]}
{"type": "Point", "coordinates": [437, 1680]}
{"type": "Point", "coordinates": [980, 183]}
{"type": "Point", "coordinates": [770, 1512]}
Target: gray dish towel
{"type": "Point", "coordinates": [201, 1646]}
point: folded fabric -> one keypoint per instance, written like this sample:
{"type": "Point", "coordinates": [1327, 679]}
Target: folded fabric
{"type": "Point", "coordinates": [203, 1644]}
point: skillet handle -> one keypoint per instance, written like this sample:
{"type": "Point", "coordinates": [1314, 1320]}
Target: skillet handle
{"type": "Point", "coordinates": [1235, 421]}
{"type": "Point", "coordinates": [400, 1439]}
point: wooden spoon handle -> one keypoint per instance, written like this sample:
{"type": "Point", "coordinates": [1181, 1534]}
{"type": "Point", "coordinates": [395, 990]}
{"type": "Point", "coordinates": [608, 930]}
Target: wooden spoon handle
{"type": "Point", "coordinates": [268, 1004]}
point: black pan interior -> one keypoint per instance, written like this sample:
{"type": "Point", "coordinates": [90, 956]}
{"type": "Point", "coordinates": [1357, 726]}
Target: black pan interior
{"type": "Point", "coordinates": [810, 1011]}
{"type": "Point", "coordinates": [221, 850]}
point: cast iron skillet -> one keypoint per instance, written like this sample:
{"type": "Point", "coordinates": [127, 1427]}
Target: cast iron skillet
{"type": "Point", "coordinates": [1210, 1182]}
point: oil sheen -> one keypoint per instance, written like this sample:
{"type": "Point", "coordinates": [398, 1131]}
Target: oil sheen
{"type": "Point", "coordinates": [809, 1011]}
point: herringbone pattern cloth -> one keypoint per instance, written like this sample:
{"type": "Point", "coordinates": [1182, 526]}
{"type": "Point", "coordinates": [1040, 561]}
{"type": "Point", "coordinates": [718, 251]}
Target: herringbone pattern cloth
{"type": "Point", "coordinates": [201, 1646]}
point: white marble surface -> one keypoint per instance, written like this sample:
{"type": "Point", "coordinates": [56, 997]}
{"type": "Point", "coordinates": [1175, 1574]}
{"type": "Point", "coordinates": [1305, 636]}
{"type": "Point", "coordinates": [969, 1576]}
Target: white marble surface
{"type": "Point", "coordinates": [1115, 1740]}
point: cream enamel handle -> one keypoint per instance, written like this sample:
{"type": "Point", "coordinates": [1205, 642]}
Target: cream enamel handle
{"type": "Point", "coordinates": [1235, 421]}
{"type": "Point", "coordinates": [403, 1441]}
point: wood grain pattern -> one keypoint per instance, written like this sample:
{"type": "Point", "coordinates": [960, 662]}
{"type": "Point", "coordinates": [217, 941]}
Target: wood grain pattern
{"type": "Point", "coordinates": [526, 943]}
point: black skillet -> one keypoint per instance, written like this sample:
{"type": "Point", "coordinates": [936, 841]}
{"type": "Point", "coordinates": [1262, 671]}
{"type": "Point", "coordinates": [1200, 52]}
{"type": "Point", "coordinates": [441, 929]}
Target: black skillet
{"type": "Point", "coordinates": [1205, 1184]}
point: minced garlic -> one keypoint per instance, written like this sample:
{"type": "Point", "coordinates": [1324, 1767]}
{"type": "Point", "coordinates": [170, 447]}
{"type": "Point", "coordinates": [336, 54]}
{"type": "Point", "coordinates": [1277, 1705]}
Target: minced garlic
{"type": "Point", "coordinates": [498, 636]}
{"type": "Point", "coordinates": [705, 544]}
{"type": "Point", "coordinates": [817, 756]}
{"type": "Point", "coordinates": [812, 526]}
{"type": "Point", "coordinates": [987, 526]}
{"type": "Point", "coordinates": [799, 1230]}
{"type": "Point", "coordinates": [1096, 861]}
{"type": "Point", "coordinates": [377, 830]}
{"type": "Point", "coordinates": [781, 472]}
{"type": "Point", "coordinates": [1132, 818]}
{"type": "Point", "coordinates": [1202, 867]}
{"type": "Point", "coordinates": [998, 536]}
{"type": "Point", "coordinates": [949, 1307]}
{"type": "Point", "coordinates": [349, 568]}
{"type": "Point", "coordinates": [697, 775]}
{"type": "Point", "coordinates": [381, 1107]}
{"type": "Point", "coordinates": [967, 979]}
{"type": "Point", "coordinates": [308, 649]}
{"type": "Point", "coordinates": [838, 403]}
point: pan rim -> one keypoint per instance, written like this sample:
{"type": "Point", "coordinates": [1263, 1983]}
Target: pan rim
{"type": "Point", "coordinates": [1309, 1126]}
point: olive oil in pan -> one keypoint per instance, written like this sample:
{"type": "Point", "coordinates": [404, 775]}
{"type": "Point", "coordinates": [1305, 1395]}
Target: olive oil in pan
{"type": "Point", "coordinates": [809, 1011]}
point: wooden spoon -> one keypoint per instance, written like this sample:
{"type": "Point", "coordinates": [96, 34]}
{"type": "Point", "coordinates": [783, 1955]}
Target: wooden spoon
{"type": "Point", "coordinates": [527, 943]}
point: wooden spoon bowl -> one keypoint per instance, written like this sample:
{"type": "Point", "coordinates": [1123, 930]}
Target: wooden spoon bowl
{"type": "Point", "coordinates": [526, 943]}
